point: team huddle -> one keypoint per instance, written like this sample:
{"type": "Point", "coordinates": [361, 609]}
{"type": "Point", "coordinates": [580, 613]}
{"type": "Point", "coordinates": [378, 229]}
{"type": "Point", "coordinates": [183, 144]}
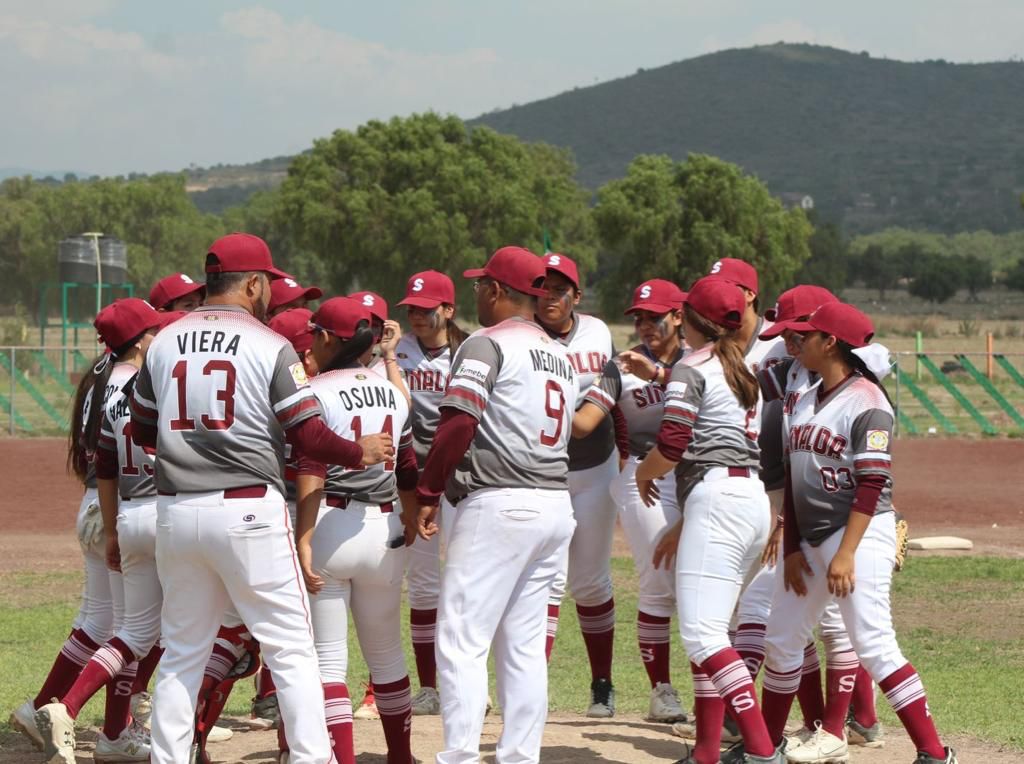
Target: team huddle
{"type": "Point", "coordinates": [256, 474]}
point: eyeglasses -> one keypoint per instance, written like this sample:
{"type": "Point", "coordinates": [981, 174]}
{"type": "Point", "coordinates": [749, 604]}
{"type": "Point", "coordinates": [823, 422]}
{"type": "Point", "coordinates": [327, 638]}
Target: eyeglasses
{"type": "Point", "coordinates": [483, 281]}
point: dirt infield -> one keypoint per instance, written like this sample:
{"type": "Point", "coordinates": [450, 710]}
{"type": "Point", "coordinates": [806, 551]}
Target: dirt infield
{"type": "Point", "coordinates": [968, 488]}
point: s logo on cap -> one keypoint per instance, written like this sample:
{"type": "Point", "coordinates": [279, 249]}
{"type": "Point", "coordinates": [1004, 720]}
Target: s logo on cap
{"type": "Point", "coordinates": [291, 282]}
{"type": "Point", "coordinates": [417, 286]}
{"type": "Point", "coordinates": [368, 300]}
{"type": "Point", "coordinates": [186, 279]}
{"type": "Point", "coordinates": [717, 267]}
{"type": "Point", "coordinates": [554, 260]}
{"type": "Point", "coordinates": [645, 291]}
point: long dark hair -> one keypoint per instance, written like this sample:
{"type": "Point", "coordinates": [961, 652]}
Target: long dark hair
{"type": "Point", "coordinates": [78, 461]}
{"type": "Point", "coordinates": [727, 348]}
{"type": "Point", "coordinates": [858, 364]}
{"type": "Point", "coordinates": [351, 349]}
{"type": "Point", "coordinates": [456, 334]}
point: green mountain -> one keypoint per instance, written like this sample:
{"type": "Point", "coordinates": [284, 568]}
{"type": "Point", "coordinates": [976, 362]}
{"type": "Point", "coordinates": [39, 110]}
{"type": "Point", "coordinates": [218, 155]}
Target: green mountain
{"type": "Point", "coordinates": [873, 142]}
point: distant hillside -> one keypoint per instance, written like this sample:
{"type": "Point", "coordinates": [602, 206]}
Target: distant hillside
{"type": "Point", "coordinates": [874, 142]}
{"type": "Point", "coordinates": [214, 189]}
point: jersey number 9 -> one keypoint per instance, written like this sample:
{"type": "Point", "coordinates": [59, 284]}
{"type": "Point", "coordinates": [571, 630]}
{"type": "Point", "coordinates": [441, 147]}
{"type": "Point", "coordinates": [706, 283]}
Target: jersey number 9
{"type": "Point", "coordinates": [553, 392]}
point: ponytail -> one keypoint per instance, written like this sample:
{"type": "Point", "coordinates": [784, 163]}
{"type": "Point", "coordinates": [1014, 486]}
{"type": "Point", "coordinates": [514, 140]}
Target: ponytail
{"type": "Point", "coordinates": [91, 431]}
{"type": "Point", "coordinates": [727, 349]}
{"type": "Point", "coordinates": [858, 364]}
{"type": "Point", "coordinates": [77, 460]}
{"type": "Point", "coordinates": [351, 349]}
{"type": "Point", "coordinates": [456, 336]}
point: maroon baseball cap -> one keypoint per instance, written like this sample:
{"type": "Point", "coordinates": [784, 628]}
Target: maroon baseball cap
{"type": "Point", "coordinates": [553, 261]}
{"type": "Point", "coordinates": [718, 300]}
{"type": "Point", "coordinates": [173, 287]}
{"type": "Point", "coordinates": [842, 321]}
{"type": "Point", "coordinates": [799, 301]}
{"type": "Point", "coordinates": [657, 296]}
{"type": "Point", "coordinates": [373, 302]}
{"type": "Point", "coordinates": [168, 317]}
{"type": "Point", "coordinates": [428, 289]}
{"type": "Point", "coordinates": [124, 320]}
{"type": "Point", "coordinates": [514, 267]}
{"type": "Point", "coordinates": [283, 291]}
{"type": "Point", "coordinates": [293, 325]}
{"type": "Point", "coordinates": [737, 271]}
{"type": "Point", "coordinates": [341, 316]}
{"type": "Point", "coordinates": [240, 252]}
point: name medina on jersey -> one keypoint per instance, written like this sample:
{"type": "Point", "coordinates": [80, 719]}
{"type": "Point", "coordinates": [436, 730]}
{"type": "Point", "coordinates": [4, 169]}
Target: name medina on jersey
{"type": "Point", "coordinates": [367, 397]}
{"type": "Point", "coordinates": [818, 439]}
{"type": "Point", "coordinates": [544, 361]}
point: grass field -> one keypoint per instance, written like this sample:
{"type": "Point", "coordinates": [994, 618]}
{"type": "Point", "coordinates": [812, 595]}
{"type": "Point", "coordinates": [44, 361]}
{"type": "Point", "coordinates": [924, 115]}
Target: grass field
{"type": "Point", "coordinates": [959, 622]}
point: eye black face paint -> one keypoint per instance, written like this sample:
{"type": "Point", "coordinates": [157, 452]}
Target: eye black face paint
{"type": "Point", "coordinates": [435, 319]}
{"type": "Point", "coordinates": [665, 329]}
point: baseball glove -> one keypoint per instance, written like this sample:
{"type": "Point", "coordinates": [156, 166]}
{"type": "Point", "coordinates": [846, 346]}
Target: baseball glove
{"type": "Point", "coordinates": [902, 534]}
{"type": "Point", "coordinates": [90, 527]}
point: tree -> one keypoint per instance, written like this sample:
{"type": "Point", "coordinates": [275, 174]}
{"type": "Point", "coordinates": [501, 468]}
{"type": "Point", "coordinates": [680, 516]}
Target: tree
{"type": "Point", "coordinates": [392, 198]}
{"type": "Point", "coordinates": [937, 279]}
{"type": "Point", "coordinates": [829, 261]}
{"type": "Point", "coordinates": [878, 270]}
{"type": "Point", "coordinates": [976, 273]}
{"type": "Point", "coordinates": [1015, 277]}
{"type": "Point", "coordinates": [674, 220]}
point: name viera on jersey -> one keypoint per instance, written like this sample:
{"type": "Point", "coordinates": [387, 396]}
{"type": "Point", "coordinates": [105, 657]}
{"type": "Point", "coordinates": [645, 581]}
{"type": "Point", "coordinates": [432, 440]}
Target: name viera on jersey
{"type": "Point", "coordinates": [366, 397]}
{"type": "Point", "coordinates": [548, 362]}
{"type": "Point", "coordinates": [207, 341]}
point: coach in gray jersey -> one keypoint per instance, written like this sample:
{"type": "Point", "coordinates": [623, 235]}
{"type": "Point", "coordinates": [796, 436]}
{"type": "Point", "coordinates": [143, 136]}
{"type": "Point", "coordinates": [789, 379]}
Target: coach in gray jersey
{"type": "Point", "coordinates": [215, 399]}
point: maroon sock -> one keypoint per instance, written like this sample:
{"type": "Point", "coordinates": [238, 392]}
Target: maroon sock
{"type": "Point", "coordinates": [265, 683]}
{"type": "Point", "coordinates": [840, 675]}
{"type": "Point", "coordinates": [338, 709]}
{"type": "Point", "coordinates": [652, 632]}
{"type": "Point", "coordinates": [905, 693]}
{"type": "Point", "coordinates": [709, 713]}
{"type": "Point", "coordinates": [117, 713]}
{"type": "Point", "coordinates": [106, 663]}
{"type": "Point", "coordinates": [147, 666]}
{"type": "Point", "coordinates": [597, 623]}
{"type": "Point", "coordinates": [749, 643]}
{"type": "Point", "coordinates": [222, 659]}
{"type": "Point", "coordinates": [809, 694]}
{"type": "Point", "coordinates": [777, 698]}
{"type": "Point", "coordinates": [423, 627]}
{"type": "Point", "coordinates": [863, 701]}
{"type": "Point", "coordinates": [549, 644]}
{"type": "Point", "coordinates": [76, 651]}
{"type": "Point", "coordinates": [730, 676]}
{"type": "Point", "coordinates": [394, 703]}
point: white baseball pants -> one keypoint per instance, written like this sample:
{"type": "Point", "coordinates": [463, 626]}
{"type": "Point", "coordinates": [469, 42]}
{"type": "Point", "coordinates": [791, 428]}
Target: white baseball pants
{"type": "Point", "coordinates": [727, 522]}
{"type": "Point", "coordinates": [96, 612]}
{"type": "Point", "coordinates": [644, 527]}
{"type": "Point", "coordinates": [504, 546]}
{"type": "Point", "coordinates": [362, 575]}
{"type": "Point", "coordinates": [423, 572]}
{"type": "Point", "coordinates": [865, 612]}
{"type": "Point", "coordinates": [143, 594]}
{"type": "Point", "coordinates": [210, 552]}
{"type": "Point", "coordinates": [587, 564]}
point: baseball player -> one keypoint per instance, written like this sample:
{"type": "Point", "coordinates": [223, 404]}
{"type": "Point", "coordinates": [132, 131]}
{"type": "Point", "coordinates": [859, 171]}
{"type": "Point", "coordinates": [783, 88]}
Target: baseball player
{"type": "Point", "coordinates": [709, 437]}
{"type": "Point", "coordinates": [175, 293]}
{"type": "Point", "coordinates": [126, 327]}
{"type": "Point", "coordinates": [500, 456]}
{"type": "Point", "coordinates": [424, 357]}
{"type": "Point", "coordinates": [637, 388]}
{"type": "Point", "coordinates": [593, 463]}
{"type": "Point", "coordinates": [839, 527]}
{"type": "Point", "coordinates": [215, 396]}
{"type": "Point", "coordinates": [386, 335]}
{"type": "Point", "coordinates": [354, 560]}
{"type": "Point", "coordinates": [286, 293]}
{"type": "Point", "coordinates": [93, 624]}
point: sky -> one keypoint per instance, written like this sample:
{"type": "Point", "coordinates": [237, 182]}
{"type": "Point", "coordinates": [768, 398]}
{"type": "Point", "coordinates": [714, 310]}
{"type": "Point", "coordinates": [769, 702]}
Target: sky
{"type": "Point", "coordinates": [116, 86]}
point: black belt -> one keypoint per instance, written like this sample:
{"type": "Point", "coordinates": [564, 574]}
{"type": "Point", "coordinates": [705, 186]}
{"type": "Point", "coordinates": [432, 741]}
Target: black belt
{"type": "Point", "coordinates": [243, 492]}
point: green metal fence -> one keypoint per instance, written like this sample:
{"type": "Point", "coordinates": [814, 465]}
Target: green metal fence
{"type": "Point", "coordinates": [940, 393]}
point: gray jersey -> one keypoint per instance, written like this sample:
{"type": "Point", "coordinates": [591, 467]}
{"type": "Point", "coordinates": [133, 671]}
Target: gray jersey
{"type": "Point", "coordinates": [134, 463]}
{"type": "Point", "coordinates": [724, 432]}
{"type": "Point", "coordinates": [90, 464]}
{"type": "Point", "coordinates": [589, 346]}
{"type": "Point", "coordinates": [358, 402]}
{"type": "Point", "coordinates": [426, 375]}
{"type": "Point", "coordinates": [831, 443]}
{"type": "Point", "coordinates": [761, 356]}
{"type": "Point", "coordinates": [520, 386]}
{"type": "Point", "coordinates": [641, 402]}
{"type": "Point", "coordinates": [221, 388]}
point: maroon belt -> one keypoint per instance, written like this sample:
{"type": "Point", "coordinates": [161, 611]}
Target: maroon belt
{"type": "Point", "coordinates": [244, 492]}
{"type": "Point", "coordinates": [340, 502]}
{"type": "Point", "coordinates": [741, 472]}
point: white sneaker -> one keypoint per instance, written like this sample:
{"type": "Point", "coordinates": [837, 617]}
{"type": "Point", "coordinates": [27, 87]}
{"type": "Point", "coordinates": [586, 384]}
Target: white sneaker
{"type": "Point", "coordinates": [797, 739]}
{"type": "Point", "coordinates": [426, 702]}
{"type": "Point", "coordinates": [58, 732]}
{"type": "Point", "coordinates": [368, 708]}
{"type": "Point", "coordinates": [142, 707]}
{"type": "Point", "coordinates": [219, 734]}
{"type": "Point", "coordinates": [821, 747]}
{"type": "Point", "coordinates": [23, 719]}
{"type": "Point", "coordinates": [665, 705]}
{"type": "Point", "coordinates": [131, 745]}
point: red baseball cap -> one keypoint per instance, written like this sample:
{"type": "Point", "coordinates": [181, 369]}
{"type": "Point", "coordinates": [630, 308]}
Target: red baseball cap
{"type": "Point", "coordinates": [293, 325]}
{"type": "Point", "coordinates": [553, 261]}
{"type": "Point", "coordinates": [240, 252]}
{"type": "Point", "coordinates": [341, 316]}
{"type": "Point", "coordinates": [173, 287]}
{"type": "Point", "coordinates": [124, 320]}
{"type": "Point", "coordinates": [283, 291]}
{"type": "Point", "coordinates": [737, 271]}
{"type": "Point", "coordinates": [373, 302]}
{"type": "Point", "coordinates": [168, 317]}
{"type": "Point", "coordinates": [428, 289]}
{"type": "Point", "coordinates": [799, 301]}
{"type": "Point", "coordinates": [842, 321]}
{"type": "Point", "coordinates": [514, 267]}
{"type": "Point", "coordinates": [718, 300]}
{"type": "Point", "coordinates": [657, 296]}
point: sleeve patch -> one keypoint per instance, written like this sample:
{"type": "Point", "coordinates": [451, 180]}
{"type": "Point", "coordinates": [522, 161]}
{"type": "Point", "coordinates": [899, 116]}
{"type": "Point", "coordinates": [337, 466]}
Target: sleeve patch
{"type": "Point", "coordinates": [473, 369]}
{"type": "Point", "coordinates": [298, 374]}
{"type": "Point", "coordinates": [878, 440]}
{"type": "Point", "coordinates": [675, 391]}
